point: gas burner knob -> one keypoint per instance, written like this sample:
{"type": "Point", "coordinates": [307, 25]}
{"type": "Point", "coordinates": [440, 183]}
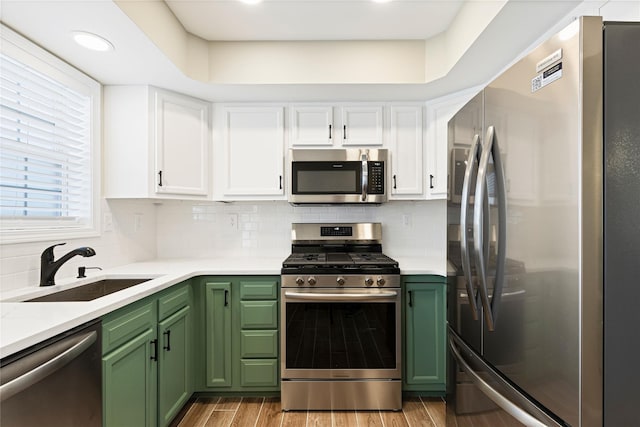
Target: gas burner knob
{"type": "Point", "coordinates": [299, 281]}
{"type": "Point", "coordinates": [340, 281]}
{"type": "Point", "coordinates": [381, 281]}
{"type": "Point", "coordinates": [311, 280]}
{"type": "Point", "coordinates": [368, 281]}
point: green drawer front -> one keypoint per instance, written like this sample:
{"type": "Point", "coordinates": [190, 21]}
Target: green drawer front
{"type": "Point", "coordinates": [259, 373]}
{"type": "Point", "coordinates": [173, 301]}
{"type": "Point", "coordinates": [255, 344]}
{"type": "Point", "coordinates": [128, 325]}
{"type": "Point", "coordinates": [259, 314]}
{"type": "Point", "coordinates": [261, 290]}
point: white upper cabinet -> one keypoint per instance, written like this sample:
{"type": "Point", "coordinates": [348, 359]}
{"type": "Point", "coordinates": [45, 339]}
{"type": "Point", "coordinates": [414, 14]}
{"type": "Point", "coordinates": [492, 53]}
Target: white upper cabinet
{"type": "Point", "coordinates": [311, 125]}
{"type": "Point", "coordinates": [439, 112]}
{"type": "Point", "coordinates": [182, 144]}
{"type": "Point", "coordinates": [251, 161]}
{"type": "Point", "coordinates": [336, 125]}
{"type": "Point", "coordinates": [405, 144]}
{"type": "Point", "coordinates": [156, 144]}
{"type": "Point", "coordinates": [362, 125]}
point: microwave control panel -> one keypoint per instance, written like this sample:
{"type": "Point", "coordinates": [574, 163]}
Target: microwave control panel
{"type": "Point", "coordinates": [376, 178]}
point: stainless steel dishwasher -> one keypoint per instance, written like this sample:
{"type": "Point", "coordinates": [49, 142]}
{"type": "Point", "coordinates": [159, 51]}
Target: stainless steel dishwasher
{"type": "Point", "coordinates": [54, 383]}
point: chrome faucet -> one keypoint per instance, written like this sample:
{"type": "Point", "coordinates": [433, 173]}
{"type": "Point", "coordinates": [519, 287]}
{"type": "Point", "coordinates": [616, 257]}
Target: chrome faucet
{"type": "Point", "coordinates": [49, 267]}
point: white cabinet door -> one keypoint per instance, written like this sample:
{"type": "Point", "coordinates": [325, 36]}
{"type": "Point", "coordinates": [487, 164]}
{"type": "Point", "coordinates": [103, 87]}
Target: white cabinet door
{"type": "Point", "coordinates": [311, 125]}
{"type": "Point", "coordinates": [182, 144]}
{"type": "Point", "coordinates": [152, 137]}
{"type": "Point", "coordinates": [362, 125]}
{"type": "Point", "coordinates": [323, 125]}
{"type": "Point", "coordinates": [406, 152]}
{"type": "Point", "coordinates": [253, 147]}
{"type": "Point", "coordinates": [439, 112]}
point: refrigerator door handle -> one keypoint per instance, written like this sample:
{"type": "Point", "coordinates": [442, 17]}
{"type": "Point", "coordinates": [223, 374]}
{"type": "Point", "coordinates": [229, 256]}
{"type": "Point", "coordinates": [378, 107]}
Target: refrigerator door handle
{"type": "Point", "coordinates": [480, 224]}
{"type": "Point", "coordinates": [501, 196]}
{"type": "Point", "coordinates": [514, 410]}
{"type": "Point", "coordinates": [472, 159]}
{"type": "Point", "coordinates": [479, 218]}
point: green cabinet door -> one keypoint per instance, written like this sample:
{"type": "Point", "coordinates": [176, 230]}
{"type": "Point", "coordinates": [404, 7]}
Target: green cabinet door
{"type": "Point", "coordinates": [174, 364]}
{"type": "Point", "coordinates": [130, 383]}
{"type": "Point", "coordinates": [425, 336]}
{"type": "Point", "coordinates": [218, 333]}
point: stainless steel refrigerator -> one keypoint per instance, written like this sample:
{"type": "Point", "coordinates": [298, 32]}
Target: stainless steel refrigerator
{"type": "Point", "coordinates": [544, 237]}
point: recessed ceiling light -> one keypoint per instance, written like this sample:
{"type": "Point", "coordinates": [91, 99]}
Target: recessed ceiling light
{"type": "Point", "coordinates": [382, 1]}
{"type": "Point", "coordinates": [92, 41]}
{"type": "Point", "coordinates": [251, 1]}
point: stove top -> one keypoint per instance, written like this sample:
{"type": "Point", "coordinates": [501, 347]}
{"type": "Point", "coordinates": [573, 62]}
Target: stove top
{"type": "Point", "coordinates": [338, 249]}
{"type": "Point", "coordinates": [338, 259]}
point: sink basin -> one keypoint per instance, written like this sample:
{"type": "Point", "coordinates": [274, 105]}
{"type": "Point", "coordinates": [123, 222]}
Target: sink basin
{"type": "Point", "coordinates": [90, 291]}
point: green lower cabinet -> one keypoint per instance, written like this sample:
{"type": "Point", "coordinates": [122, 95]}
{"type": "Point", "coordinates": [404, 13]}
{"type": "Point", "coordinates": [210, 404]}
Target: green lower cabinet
{"type": "Point", "coordinates": [147, 360]}
{"type": "Point", "coordinates": [259, 372]}
{"type": "Point", "coordinates": [130, 383]}
{"type": "Point", "coordinates": [240, 334]}
{"type": "Point", "coordinates": [174, 364]}
{"type": "Point", "coordinates": [218, 333]}
{"type": "Point", "coordinates": [425, 334]}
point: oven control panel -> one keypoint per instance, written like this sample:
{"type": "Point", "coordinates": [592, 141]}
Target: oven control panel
{"type": "Point", "coordinates": [341, 281]}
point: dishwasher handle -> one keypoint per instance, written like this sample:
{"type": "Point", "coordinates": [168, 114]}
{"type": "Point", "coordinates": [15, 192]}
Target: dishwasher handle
{"type": "Point", "coordinates": [80, 345]}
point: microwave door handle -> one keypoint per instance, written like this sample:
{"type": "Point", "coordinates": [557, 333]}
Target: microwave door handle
{"type": "Point", "coordinates": [365, 175]}
{"type": "Point", "coordinates": [472, 160]}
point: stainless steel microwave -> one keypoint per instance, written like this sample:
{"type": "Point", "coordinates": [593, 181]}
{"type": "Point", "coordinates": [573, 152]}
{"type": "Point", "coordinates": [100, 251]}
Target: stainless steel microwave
{"type": "Point", "coordinates": [334, 176]}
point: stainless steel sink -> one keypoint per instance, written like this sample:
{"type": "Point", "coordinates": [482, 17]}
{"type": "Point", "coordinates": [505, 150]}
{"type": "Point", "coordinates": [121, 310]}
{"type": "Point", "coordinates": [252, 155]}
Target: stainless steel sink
{"type": "Point", "coordinates": [90, 291]}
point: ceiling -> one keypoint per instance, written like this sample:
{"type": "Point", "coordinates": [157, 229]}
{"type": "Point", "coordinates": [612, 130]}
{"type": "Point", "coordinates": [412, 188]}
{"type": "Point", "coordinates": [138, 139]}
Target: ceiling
{"type": "Point", "coordinates": [139, 58]}
{"type": "Point", "coordinates": [315, 19]}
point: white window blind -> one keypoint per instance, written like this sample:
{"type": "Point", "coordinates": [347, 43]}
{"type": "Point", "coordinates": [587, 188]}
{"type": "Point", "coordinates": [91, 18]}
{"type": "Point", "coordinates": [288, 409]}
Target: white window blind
{"type": "Point", "coordinates": [46, 155]}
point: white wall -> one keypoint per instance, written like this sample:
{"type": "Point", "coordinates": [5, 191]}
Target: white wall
{"type": "Point", "coordinates": [188, 229]}
{"type": "Point", "coordinates": [122, 244]}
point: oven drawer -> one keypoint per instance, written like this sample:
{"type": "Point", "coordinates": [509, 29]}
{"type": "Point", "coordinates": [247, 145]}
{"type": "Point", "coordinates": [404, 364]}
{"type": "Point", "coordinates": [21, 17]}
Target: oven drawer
{"type": "Point", "coordinates": [259, 314]}
{"type": "Point", "coordinates": [256, 344]}
{"type": "Point", "coordinates": [259, 373]}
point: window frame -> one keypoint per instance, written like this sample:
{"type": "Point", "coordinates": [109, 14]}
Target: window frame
{"type": "Point", "coordinates": [34, 56]}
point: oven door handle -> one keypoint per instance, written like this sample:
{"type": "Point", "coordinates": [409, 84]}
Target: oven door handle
{"type": "Point", "coordinates": [337, 297]}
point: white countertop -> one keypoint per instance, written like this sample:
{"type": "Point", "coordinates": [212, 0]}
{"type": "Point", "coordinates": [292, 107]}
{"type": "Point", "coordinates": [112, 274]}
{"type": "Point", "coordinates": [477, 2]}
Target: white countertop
{"type": "Point", "coordinates": [24, 324]}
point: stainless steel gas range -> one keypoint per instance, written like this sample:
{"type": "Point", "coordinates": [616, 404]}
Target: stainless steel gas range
{"type": "Point", "coordinates": [340, 320]}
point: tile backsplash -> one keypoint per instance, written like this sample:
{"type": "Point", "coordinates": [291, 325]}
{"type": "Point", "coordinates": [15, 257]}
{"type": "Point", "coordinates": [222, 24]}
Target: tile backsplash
{"type": "Point", "coordinates": [264, 228]}
{"type": "Point", "coordinates": [143, 229]}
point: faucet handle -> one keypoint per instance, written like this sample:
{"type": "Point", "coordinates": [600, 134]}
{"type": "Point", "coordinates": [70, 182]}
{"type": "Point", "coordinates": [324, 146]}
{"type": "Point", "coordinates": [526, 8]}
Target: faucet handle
{"type": "Point", "coordinates": [48, 253]}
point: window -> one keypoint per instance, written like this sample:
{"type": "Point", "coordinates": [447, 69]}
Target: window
{"type": "Point", "coordinates": [49, 139]}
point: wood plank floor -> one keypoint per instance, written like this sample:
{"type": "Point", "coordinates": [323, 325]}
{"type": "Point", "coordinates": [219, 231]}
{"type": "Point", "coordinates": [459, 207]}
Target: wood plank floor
{"type": "Point", "coordinates": [266, 412]}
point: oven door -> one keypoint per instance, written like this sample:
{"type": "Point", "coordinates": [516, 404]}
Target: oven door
{"type": "Point", "coordinates": [333, 333]}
